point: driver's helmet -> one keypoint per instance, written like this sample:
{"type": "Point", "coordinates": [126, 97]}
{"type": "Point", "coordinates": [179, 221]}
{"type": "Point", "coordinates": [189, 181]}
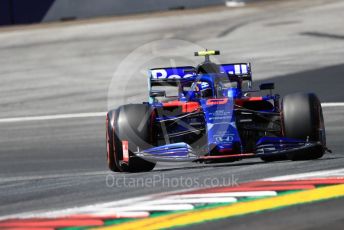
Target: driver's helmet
{"type": "Point", "coordinates": [203, 89]}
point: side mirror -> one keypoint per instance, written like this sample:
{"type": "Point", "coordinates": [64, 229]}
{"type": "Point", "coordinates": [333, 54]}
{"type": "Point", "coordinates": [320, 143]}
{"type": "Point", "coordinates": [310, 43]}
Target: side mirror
{"type": "Point", "coordinates": [267, 86]}
{"type": "Point", "coordinates": [157, 93]}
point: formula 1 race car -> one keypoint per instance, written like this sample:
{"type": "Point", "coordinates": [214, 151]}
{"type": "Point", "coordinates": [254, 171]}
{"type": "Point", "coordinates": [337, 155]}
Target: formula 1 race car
{"type": "Point", "coordinates": [208, 114]}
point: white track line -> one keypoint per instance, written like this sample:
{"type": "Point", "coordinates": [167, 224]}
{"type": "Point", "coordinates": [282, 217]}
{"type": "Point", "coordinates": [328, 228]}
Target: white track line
{"type": "Point", "coordinates": [99, 114]}
{"type": "Point", "coordinates": [53, 117]}
{"type": "Point", "coordinates": [332, 104]}
{"type": "Point", "coordinates": [147, 207]}
{"type": "Point", "coordinates": [207, 200]}
{"type": "Point", "coordinates": [112, 214]}
{"type": "Point", "coordinates": [4, 179]}
{"type": "Point", "coordinates": [225, 194]}
{"type": "Point", "coordinates": [87, 209]}
{"type": "Point", "coordinates": [325, 173]}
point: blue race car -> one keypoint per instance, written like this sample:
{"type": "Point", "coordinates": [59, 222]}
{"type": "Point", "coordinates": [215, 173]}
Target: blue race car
{"type": "Point", "coordinates": [208, 114]}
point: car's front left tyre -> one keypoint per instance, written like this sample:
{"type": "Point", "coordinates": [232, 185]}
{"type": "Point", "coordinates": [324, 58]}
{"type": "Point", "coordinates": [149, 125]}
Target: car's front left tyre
{"type": "Point", "coordinates": [129, 124]}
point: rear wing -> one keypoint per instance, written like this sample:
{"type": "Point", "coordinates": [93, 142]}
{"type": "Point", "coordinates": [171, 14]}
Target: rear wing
{"type": "Point", "coordinates": [240, 70]}
{"type": "Point", "coordinates": [171, 75]}
{"type": "Point", "coordinates": [180, 75]}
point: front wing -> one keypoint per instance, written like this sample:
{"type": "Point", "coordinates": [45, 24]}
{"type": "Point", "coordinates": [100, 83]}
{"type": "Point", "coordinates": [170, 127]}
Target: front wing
{"type": "Point", "coordinates": [266, 146]}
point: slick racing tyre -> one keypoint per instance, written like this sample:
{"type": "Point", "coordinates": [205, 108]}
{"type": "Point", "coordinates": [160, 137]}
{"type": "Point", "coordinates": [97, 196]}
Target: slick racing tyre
{"type": "Point", "coordinates": [302, 118]}
{"type": "Point", "coordinates": [128, 126]}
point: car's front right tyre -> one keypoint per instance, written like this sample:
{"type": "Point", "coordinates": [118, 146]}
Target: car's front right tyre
{"type": "Point", "coordinates": [302, 118]}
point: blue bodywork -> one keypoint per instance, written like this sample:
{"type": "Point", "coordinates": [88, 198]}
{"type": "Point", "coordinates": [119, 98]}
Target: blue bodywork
{"type": "Point", "coordinates": [218, 111]}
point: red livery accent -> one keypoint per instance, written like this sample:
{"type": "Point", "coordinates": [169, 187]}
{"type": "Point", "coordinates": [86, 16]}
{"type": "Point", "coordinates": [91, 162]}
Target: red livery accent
{"type": "Point", "coordinates": [225, 150]}
{"type": "Point", "coordinates": [221, 101]}
{"type": "Point", "coordinates": [187, 107]}
{"type": "Point", "coordinates": [125, 147]}
{"type": "Point", "coordinates": [241, 101]}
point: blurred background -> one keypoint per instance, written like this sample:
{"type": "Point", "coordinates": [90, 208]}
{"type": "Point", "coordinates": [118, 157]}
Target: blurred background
{"type": "Point", "coordinates": [22, 11]}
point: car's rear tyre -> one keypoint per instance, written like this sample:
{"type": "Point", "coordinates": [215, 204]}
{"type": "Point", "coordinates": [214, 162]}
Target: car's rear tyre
{"type": "Point", "coordinates": [130, 123]}
{"type": "Point", "coordinates": [302, 118]}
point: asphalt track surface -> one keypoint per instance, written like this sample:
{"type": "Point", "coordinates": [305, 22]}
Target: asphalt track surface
{"type": "Point", "coordinates": [56, 164]}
